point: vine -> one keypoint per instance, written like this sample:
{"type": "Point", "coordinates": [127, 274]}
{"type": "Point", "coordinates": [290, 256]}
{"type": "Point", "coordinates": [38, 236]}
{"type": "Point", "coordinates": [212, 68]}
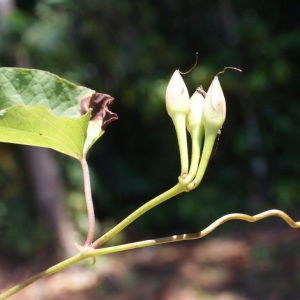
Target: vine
{"type": "Point", "coordinates": [202, 115]}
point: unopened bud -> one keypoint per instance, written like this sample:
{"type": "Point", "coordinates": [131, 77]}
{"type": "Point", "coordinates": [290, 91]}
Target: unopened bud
{"type": "Point", "coordinates": [213, 117]}
{"type": "Point", "coordinates": [177, 96]}
{"type": "Point", "coordinates": [214, 110]}
{"type": "Point", "coordinates": [194, 117]}
{"type": "Point", "coordinates": [177, 102]}
{"type": "Point", "coordinates": [194, 126]}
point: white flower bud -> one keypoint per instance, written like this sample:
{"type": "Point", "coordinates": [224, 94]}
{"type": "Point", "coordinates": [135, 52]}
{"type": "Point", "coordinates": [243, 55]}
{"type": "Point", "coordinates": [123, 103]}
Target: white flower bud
{"type": "Point", "coordinates": [177, 103]}
{"type": "Point", "coordinates": [177, 96]}
{"type": "Point", "coordinates": [194, 117]}
{"type": "Point", "coordinates": [214, 110]}
{"type": "Point", "coordinates": [213, 117]}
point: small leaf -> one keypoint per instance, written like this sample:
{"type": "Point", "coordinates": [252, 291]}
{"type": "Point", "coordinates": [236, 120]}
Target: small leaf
{"type": "Point", "coordinates": [41, 109]}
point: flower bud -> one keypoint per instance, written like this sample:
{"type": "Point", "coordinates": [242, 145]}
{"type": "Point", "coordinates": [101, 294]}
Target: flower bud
{"type": "Point", "coordinates": [177, 103]}
{"type": "Point", "coordinates": [213, 117]}
{"type": "Point", "coordinates": [177, 96]}
{"type": "Point", "coordinates": [214, 110]}
{"type": "Point", "coordinates": [194, 126]}
{"type": "Point", "coordinates": [194, 117]}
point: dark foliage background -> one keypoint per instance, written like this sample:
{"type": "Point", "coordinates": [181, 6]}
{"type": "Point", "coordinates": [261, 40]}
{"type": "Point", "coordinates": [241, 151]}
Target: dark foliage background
{"type": "Point", "coordinates": [129, 49]}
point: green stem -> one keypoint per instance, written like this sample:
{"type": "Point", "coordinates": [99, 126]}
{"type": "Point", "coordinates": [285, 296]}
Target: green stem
{"type": "Point", "coordinates": [177, 189]}
{"type": "Point", "coordinates": [209, 141]}
{"type": "Point", "coordinates": [171, 239]}
{"type": "Point", "coordinates": [89, 202]}
{"type": "Point", "coordinates": [201, 234]}
{"type": "Point", "coordinates": [180, 128]}
{"type": "Point", "coordinates": [62, 265]}
{"type": "Point", "coordinates": [196, 136]}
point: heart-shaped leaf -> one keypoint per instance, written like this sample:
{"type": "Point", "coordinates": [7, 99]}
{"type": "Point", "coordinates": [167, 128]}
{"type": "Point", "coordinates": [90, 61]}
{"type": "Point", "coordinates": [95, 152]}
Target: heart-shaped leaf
{"type": "Point", "coordinates": [41, 109]}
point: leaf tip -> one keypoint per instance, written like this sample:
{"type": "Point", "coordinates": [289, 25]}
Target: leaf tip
{"type": "Point", "coordinates": [100, 104]}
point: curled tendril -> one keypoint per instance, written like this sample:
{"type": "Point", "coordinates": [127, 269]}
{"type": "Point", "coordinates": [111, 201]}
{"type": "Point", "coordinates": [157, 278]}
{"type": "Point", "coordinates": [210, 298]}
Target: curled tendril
{"type": "Point", "coordinates": [204, 232]}
{"type": "Point", "coordinates": [86, 253]}
{"type": "Point", "coordinates": [244, 217]}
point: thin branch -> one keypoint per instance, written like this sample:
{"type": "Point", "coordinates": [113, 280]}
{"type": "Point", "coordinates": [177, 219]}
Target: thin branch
{"type": "Point", "coordinates": [62, 265]}
{"type": "Point", "coordinates": [201, 234]}
{"type": "Point", "coordinates": [89, 202]}
{"type": "Point", "coordinates": [177, 189]}
{"type": "Point", "coordinates": [88, 252]}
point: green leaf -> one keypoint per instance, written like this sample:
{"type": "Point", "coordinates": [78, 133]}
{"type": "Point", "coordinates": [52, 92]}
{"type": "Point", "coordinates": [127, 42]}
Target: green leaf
{"type": "Point", "coordinates": [31, 87]}
{"type": "Point", "coordinates": [36, 126]}
{"type": "Point", "coordinates": [41, 109]}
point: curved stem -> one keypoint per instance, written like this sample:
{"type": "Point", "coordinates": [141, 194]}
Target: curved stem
{"type": "Point", "coordinates": [89, 202]}
{"type": "Point", "coordinates": [177, 189]}
{"type": "Point", "coordinates": [201, 234]}
{"type": "Point", "coordinates": [171, 239]}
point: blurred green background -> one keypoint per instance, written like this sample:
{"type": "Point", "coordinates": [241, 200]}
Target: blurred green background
{"type": "Point", "coordinates": [129, 49]}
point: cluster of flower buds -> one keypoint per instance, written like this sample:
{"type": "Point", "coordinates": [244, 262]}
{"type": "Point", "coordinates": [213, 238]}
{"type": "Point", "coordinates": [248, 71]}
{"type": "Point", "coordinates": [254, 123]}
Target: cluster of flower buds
{"type": "Point", "coordinates": [202, 116]}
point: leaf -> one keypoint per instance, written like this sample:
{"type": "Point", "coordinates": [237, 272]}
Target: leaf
{"type": "Point", "coordinates": [36, 126]}
{"type": "Point", "coordinates": [31, 87]}
{"type": "Point", "coordinates": [41, 109]}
